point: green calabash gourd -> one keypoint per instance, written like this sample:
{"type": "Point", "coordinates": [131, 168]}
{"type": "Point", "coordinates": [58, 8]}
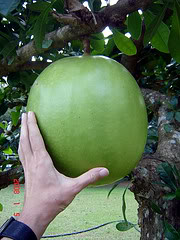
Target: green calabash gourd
{"type": "Point", "coordinates": [91, 113]}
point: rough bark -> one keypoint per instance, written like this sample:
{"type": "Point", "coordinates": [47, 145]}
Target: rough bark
{"type": "Point", "coordinates": [115, 14]}
{"type": "Point", "coordinates": [7, 177]}
{"type": "Point", "coordinates": [145, 175]}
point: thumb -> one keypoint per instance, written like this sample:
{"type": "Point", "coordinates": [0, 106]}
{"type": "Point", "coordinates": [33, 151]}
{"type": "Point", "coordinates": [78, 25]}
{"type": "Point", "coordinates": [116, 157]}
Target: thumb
{"type": "Point", "coordinates": [90, 177]}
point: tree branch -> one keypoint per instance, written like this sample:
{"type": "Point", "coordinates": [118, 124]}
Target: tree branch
{"type": "Point", "coordinates": [36, 65]}
{"type": "Point", "coordinates": [116, 13]}
{"type": "Point", "coordinates": [168, 142]}
{"type": "Point", "coordinates": [109, 16]}
{"type": "Point", "coordinates": [67, 19]}
{"type": "Point", "coordinates": [60, 38]}
{"type": "Point", "coordinates": [73, 5]}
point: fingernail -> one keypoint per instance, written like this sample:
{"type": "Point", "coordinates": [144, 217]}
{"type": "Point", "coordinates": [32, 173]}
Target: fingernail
{"type": "Point", "coordinates": [104, 172]}
{"type": "Point", "coordinates": [30, 114]}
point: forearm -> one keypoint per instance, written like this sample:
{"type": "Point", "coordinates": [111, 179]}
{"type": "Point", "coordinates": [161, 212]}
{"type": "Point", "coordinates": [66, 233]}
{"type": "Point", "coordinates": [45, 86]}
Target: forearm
{"type": "Point", "coordinates": [37, 221]}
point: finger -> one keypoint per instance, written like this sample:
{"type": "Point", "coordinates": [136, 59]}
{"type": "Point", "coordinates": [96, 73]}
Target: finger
{"type": "Point", "coordinates": [21, 155]}
{"type": "Point", "coordinates": [90, 177]}
{"type": "Point", "coordinates": [36, 140]}
{"type": "Point", "coordinates": [24, 137]}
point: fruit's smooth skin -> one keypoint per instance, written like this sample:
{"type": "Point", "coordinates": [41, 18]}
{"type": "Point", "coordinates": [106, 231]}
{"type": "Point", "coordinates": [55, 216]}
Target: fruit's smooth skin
{"type": "Point", "coordinates": [91, 113]}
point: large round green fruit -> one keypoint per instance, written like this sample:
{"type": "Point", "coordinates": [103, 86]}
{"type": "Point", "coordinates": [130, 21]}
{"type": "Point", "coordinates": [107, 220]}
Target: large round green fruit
{"type": "Point", "coordinates": [91, 114]}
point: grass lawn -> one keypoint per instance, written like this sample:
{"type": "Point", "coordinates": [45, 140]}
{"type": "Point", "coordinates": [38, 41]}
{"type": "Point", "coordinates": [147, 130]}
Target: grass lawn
{"type": "Point", "coordinates": [90, 208]}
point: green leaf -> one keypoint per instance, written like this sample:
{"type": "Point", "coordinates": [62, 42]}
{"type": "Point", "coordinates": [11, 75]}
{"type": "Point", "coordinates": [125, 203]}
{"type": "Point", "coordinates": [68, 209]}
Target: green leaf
{"type": "Point", "coordinates": [115, 185]}
{"type": "Point", "coordinates": [96, 5]}
{"type": "Point", "coordinates": [98, 45]}
{"type": "Point", "coordinates": [169, 116]}
{"type": "Point", "coordinates": [5, 163]}
{"type": "Point", "coordinates": [97, 36]}
{"type": "Point", "coordinates": [174, 101]}
{"type": "Point", "coordinates": [170, 232]}
{"type": "Point", "coordinates": [178, 194]}
{"type": "Point", "coordinates": [156, 208]}
{"type": "Point", "coordinates": [38, 6]}
{"type": "Point", "coordinates": [174, 38]}
{"type": "Point", "coordinates": [8, 151]}
{"type": "Point", "coordinates": [166, 173]}
{"type": "Point", "coordinates": [91, 2]}
{"type": "Point", "coordinates": [169, 196]}
{"type": "Point", "coordinates": [3, 108]}
{"type": "Point", "coordinates": [152, 28]}
{"type": "Point", "coordinates": [40, 26]}
{"type": "Point", "coordinates": [176, 173]}
{"type": "Point", "coordinates": [2, 125]}
{"type": "Point", "coordinates": [1, 207]}
{"type": "Point", "coordinates": [124, 44]}
{"type": "Point", "coordinates": [2, 139]}
{"type": "Point", "coordinates": [124, 204]}
{"type": "Point", "coordinates": [7, 6]}
{"type": "Point", "coordinates": [12, 18]}
{"type": "Point", "coordinates": [9, 49]}
{"type": "Point", "coordinates": [15, 117]}
{"type": "Point", "coordinates": [124, 226]}
{"type": "Point", "coordinates": [109, 47]}
{"type": "Point", "coordinates": [77, 45]}
{"type": "Point", "coordinates": [156, 7]}
{"type": "Point", "coordinates": [27, 79]}
{"type": "Point", "coordinates": [5, 36]}
{"type": "Point", "coordinates": [177, 116]}
{"type": "Point", "coordinates": [134, 25]}
{"type": "Point", "coordinates": [11, 60]}
{"type": "Point", "coordinates": [59, 6]}
{"type": "Point", "coordinates": [160, 39]}
{"type": "Point", "coordinates": [13, 79]}
{"type": "Point", "coordinates": [168, 128]}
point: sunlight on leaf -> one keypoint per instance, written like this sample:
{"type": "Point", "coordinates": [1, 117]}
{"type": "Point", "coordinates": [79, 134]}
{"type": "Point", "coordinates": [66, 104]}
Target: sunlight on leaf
{"type": "Point", "coordinates": [124, 44]}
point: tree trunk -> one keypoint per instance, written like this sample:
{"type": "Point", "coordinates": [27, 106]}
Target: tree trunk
{"type": "Point", "coordinates": [146, 185]}
{"type": "Point", "coordinates": [7, 177]}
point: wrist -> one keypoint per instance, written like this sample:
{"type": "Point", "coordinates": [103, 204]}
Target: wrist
{"type": "Point", "coordinates": [38, 222]}
{"type": "Point", "coordinates": [14, 229]}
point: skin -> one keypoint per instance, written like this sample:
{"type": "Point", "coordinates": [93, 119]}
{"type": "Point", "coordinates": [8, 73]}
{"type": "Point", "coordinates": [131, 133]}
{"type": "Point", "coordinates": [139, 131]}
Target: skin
{"type": "Point", "coordinates": [47, 192]}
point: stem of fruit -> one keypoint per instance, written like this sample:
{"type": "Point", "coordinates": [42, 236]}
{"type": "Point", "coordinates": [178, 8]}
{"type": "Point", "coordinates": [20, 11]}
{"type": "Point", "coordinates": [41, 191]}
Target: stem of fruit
{"type": "Point", "coordinates": [86, 44]}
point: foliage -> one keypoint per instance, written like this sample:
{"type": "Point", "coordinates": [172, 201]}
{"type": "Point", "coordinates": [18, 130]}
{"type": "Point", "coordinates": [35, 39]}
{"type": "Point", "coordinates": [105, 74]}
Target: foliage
{"type": "Point", "coordinates": [158, 65]}
{"type": "Point", "coordinates": [170, 178]}
{"type": "Point", "coordinates": [123, 225]}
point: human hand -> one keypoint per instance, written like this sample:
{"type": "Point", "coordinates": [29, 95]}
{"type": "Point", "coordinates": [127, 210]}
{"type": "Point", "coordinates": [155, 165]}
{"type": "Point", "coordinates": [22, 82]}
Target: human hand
{"type": "Point", "coordinates": [47, 192]}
